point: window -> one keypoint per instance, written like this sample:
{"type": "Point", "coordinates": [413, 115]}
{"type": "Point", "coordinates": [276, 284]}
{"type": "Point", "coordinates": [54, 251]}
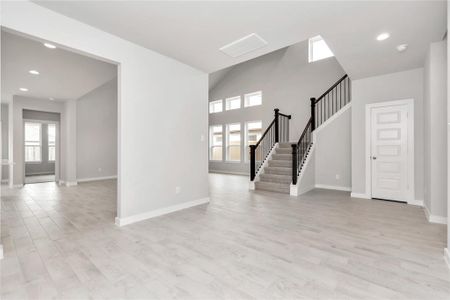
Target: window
{"type": "Point", "coordinates": [215, 106]}
{"type": "Point", "coordinates": [254, 133]}
{"type": "Point", "coordinates": [253, 99]}
{"type": "Point", "coordinates": [51, 134]}
{"type": "Point", "coordinates": [215, 142]}
{"type": "Point", "coordinates": [33, 142]}
{"type": "Point", "coordinates": [234, 142]}
{"type": "Point", "coordinates": [318, 49]}
{"type": "Point", "coordinates": [233, 103]}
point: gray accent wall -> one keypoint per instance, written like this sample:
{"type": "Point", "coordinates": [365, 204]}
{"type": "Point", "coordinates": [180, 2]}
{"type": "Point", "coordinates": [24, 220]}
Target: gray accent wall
{"type": "Point", "coordinates": [389, 87]}
{"type": "Point", "coordinates": [287, 82]}
{"type": "Point", "coordinates": [45, 166]}
{"type": "Point", "coordinates": [333, 153]}
{"type": "Point", "coordinates": [97, 132]}
{"type": "Point", "coordinates": [435, 129]}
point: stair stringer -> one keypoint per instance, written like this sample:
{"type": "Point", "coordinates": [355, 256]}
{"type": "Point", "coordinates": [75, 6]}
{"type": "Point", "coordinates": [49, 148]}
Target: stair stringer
{"type": "Point", "coordinates": [306, 179]}
{"type": "Point", "coordinates": [251, 185]}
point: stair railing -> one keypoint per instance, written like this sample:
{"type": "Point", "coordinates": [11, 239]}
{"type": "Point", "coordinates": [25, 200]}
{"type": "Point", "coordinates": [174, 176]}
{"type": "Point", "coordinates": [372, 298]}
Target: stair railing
{"type": "Point", "coordinates": [322, 108]}
{"type": "Point", "coordinates": [277, 132]}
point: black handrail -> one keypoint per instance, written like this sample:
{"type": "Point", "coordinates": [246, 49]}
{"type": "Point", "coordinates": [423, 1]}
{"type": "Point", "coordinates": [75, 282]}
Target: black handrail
{"type": "Point", "coordinates": [332, 87]}
{"type": "Point", "coordinates": [322, 108]}
{"type": "Point", "coordinates": [277, 131]}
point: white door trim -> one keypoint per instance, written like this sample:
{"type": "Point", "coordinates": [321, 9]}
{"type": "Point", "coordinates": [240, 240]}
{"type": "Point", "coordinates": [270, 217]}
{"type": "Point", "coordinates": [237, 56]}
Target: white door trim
{"type": "Point", "coordinates": [410, 105]}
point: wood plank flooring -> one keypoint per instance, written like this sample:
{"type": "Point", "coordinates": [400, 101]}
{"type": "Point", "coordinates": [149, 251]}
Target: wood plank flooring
{"type": "Point", "coordinates": [61, 243]}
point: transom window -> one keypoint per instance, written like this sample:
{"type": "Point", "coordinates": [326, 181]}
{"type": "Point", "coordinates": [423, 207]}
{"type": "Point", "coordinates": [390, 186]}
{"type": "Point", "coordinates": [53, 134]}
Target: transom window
{"type": "Point", "coordinates": [33, 142]}
{"type": "Point", "coordinates": [318, 49]}
{"type": "Point", "coordinates": [233, 103]}
{"type": "Point", "coordinates": [215, 106]}
{"type": "Point", "coordinates": [51, 134]}
{"type": "Point", "coordinates": [215, 142]}
{"type": "Point", "coordinates": [253, 99]}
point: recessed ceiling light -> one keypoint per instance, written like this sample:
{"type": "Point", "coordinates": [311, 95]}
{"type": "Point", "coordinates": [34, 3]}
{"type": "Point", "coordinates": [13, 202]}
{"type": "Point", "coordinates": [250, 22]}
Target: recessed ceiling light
{"type": "Point", "coordinates": [51, 98]}
{"type": "Point", "coordinates": [24, 89]}
{"type": "Point", "coordinates": [383, 36]}
{"type": "Point", "coordinates": [50, 46]}
{"type": "Point", "coordinates": [402, 47]}
{"type": "Point", "coordinates": [34, 72]}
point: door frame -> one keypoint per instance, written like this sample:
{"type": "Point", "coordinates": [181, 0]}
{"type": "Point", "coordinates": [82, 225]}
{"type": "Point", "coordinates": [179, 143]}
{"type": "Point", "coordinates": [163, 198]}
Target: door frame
{"type": "Point", "coordinates": [411, 172]}
{"type": "Point", "coordinates": [57, 146]}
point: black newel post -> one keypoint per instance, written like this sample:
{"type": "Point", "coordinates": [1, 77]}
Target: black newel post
{"type": "Point", "coordinates": [313, 114]}
{"type": "Point", "coordinates": [294, 164]}
{"type": "Point", "coordinates": [277, 125]}
{"type": "Point", "coordinates": [252, 162]}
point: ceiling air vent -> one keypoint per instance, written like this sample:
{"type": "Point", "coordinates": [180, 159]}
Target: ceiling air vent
{"type": "Point", "coordinates": [244, 45]}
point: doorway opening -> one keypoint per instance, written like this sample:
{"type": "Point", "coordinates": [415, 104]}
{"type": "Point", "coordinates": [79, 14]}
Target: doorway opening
{"type": "Point", "coordinates": [41, 146]}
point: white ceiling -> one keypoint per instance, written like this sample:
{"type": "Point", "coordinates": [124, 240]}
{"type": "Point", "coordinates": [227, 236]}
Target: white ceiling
{"type": "Point", "coordinates": [193, 32]}
{"type": "Point", "coordinates": [63, 74]}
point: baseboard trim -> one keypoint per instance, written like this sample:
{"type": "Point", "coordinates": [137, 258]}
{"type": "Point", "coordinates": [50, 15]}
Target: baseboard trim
{"type": "Point", "coordinates": [360, 195]}
{"type": "Point", "coordinates": [96, 178]}
{"type": "Point", "coordinates": [160, 212]}
{"type": "Point", "coordinates": [433, 218]}
{"type": "Point", "coordinates": [17, 186]}
{"type": "Point", "coordinates": [447, 257]}
{"type": "Point", "coordinates": [228, 172]}
{"type": "Point", "coordinates": [416, 202]}
{"type": "Point", "coordinates": [70, 183]}
{"type": "Point", "coordinates": [333, 187]}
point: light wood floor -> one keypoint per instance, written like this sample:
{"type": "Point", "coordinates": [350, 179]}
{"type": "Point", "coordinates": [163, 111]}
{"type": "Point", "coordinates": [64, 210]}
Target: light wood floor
{"type": "Point", "coordinates": [62, 243]}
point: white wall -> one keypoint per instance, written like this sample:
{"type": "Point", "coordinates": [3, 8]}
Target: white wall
{"type": "Point", "coordinates": [395, 86]}
{"type": "Point", "coordinates": [162, 112]}
{"type": "Point", "coordinates": [435, 130]}
{"type": "Point", "coordinates": [287, 82]}
{"type": "Point", "coordinates": [97, 132]}
{"type": "Point", "coordinates": [333, 153]}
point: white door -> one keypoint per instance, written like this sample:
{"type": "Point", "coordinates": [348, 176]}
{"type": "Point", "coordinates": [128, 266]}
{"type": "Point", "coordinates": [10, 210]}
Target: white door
{"type": "Point", "coordinates": [389, 152]}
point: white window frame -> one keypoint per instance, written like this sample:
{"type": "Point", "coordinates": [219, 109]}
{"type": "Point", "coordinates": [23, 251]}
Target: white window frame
{"type": "Point", "coordinates": [228, 100]}
{"type": "Point", "coordinates": [211, 139]}
{"type": "Point", "coordinates": [227, 145]}
{"type": "Point", "coordinates": [311, 43]}
{"type": "Point", "coordinates": [247, 96]}
{"type": "Point", "coordinates": [25, 142]}
{"type": "Point", "coordinates": [48, 143]}
{"type": "Point", "coordinates": [247, 151]}
{"type": "Point", "coordinates": [215, 102]}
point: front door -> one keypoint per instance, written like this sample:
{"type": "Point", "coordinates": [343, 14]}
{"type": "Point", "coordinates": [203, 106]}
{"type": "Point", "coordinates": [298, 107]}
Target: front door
{"type": "Point", "coordinates": [389, 152]}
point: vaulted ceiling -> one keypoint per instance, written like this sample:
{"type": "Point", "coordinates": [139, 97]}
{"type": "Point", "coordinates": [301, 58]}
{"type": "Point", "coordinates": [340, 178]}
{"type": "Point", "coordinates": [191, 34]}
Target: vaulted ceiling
{"type": "Point", "coordinates": [193, 32]}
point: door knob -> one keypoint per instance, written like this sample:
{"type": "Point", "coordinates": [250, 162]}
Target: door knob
{"type": "Point", "coordinates": [374, 157]}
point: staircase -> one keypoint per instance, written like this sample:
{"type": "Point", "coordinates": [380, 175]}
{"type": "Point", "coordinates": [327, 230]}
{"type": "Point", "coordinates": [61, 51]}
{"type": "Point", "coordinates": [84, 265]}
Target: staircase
{"type": "Point", "coordinates": [275, 163]}
{"type": "Point", "coordinates": [277, 175]}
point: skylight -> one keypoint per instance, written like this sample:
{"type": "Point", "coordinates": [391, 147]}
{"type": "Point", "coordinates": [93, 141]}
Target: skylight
{"type": "Point", "coordinates": [318, 49]}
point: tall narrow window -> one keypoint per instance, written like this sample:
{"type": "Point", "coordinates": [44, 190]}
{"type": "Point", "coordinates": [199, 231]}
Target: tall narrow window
{"type": "Point", "coordinates": [234, 142]}
{"type": "Point", "coordinates": [33, 142]}
{"type": "Point", "coordinates": [51, 134]}
{"type": "Point", "coordinates": [253, 99]}
{"type": "Point", "coordinates": [318, 49]}
{"type": "Point", "coordinates": [215, 106]}
{"type": "Point", "coordinates": [254, 133]}
{"type": "Point", "coordinates": [233, 103]}
{"type": "Point", "coordinates": [215, 142]}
